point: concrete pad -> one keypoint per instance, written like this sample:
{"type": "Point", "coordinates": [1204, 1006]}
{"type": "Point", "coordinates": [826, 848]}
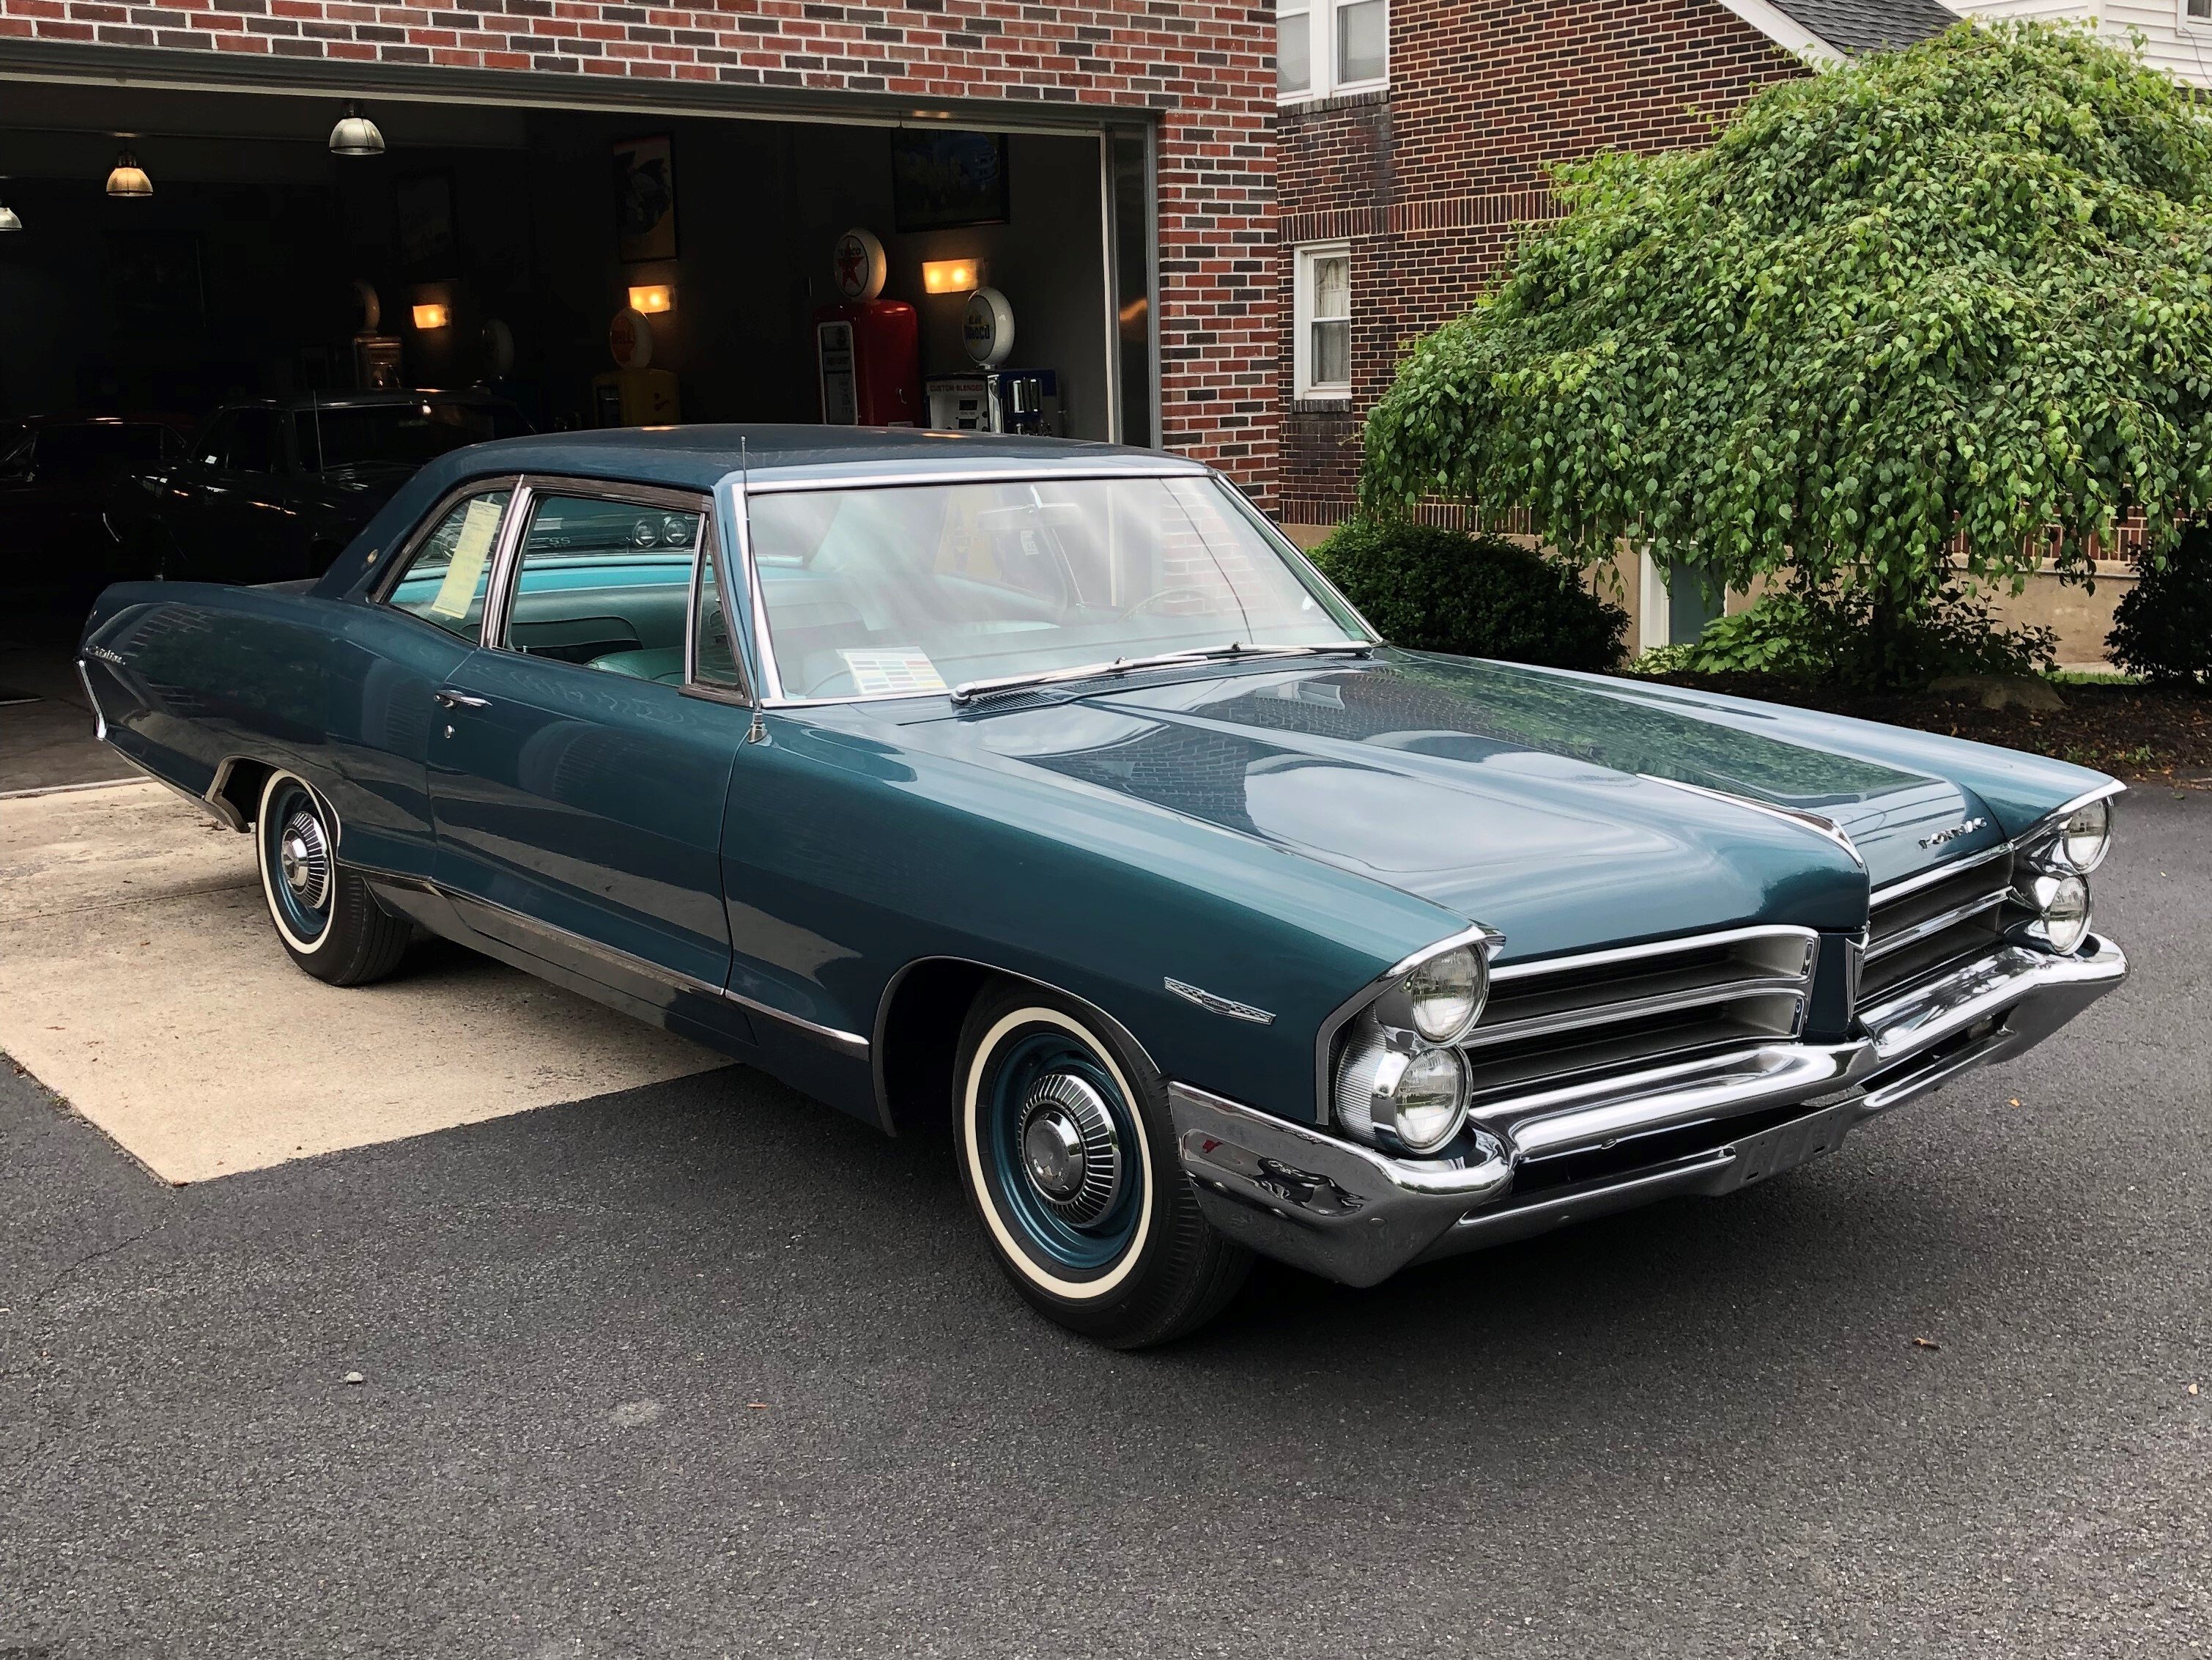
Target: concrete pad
{"type": "Point", "coordinates": [139, 979]}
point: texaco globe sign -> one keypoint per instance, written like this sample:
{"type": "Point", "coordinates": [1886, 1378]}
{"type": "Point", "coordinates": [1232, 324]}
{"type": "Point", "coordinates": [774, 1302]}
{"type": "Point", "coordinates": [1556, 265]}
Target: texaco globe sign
{"type": "Point", "coordinates": [860, 265]}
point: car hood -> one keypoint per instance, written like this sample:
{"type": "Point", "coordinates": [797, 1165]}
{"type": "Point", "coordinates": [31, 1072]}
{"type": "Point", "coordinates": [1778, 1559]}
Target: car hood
{"type": "Point", "coordinates": [1566, 810]}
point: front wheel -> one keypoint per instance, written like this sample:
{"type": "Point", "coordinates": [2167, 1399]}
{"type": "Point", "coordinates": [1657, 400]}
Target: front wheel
{"type": "Point", "coordinates": [1068, 1152]}
{"type": "Point", "coordinates": [327, 919]}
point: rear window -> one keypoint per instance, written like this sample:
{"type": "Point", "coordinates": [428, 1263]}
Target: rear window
{"type": "Point", "coordinates": [397, 434]}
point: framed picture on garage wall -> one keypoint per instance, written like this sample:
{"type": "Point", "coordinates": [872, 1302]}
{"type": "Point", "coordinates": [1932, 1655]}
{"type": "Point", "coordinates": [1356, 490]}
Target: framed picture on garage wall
{"type": "Point", "coordinates": [944, 181]}
{"type": "Point", "coordinates": [645, 198]}
{"type": "Point", "coordinates": [428, 244]}
{"type": "Point", "coordinates": [154, 281]}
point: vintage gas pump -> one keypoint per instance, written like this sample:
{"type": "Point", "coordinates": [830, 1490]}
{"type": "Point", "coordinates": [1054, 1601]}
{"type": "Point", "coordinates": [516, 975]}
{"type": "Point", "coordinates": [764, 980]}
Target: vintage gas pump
{"type": "Point", "coordinates": [995, 398]}
{"type": "Point", "coordinates": [634, 394]}
{"type": "Point", "coordinates": [868, 349]}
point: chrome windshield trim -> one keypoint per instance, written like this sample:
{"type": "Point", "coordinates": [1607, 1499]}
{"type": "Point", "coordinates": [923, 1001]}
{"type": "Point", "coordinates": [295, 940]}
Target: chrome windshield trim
{"type": "Point", "coordinates": [968, 691]}
{"type": "Point", "coordinates": [1828, 828]}
{"type": "Point", "coordinates": [771, 484]}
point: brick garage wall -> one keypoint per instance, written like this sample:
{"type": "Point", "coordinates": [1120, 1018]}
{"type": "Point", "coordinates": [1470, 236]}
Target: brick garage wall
{"type": "Point", "coordinates": [1207, 71]}
{"type": "Point", "coordinates": [1432, 183]}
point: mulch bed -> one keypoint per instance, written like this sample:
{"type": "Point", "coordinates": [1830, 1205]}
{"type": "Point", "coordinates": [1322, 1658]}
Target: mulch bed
{"type": "Point", "coordinates": [2131, 732]}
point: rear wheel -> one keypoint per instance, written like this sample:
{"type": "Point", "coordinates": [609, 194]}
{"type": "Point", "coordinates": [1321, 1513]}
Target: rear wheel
{"type": "Point", "coordinates": [1068, 1152]}
{"type": "Point", "coordinates": [326, 917]}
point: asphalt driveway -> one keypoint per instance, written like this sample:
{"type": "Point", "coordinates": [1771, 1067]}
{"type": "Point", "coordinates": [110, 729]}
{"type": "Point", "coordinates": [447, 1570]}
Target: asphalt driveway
{"type": "Point", "coordinates": [702, 1369]}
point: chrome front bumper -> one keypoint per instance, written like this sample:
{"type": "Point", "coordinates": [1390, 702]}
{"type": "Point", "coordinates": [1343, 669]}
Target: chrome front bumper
{"type": "Point", "coordinates": [1351, 1214]}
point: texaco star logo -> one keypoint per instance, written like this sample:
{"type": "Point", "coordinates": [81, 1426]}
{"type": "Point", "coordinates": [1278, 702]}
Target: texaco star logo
{"type": "Point", "coordinates": [853, 266]}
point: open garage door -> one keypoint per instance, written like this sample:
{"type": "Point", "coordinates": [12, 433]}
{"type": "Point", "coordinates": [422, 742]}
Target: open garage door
{"type": "Point", "coordinates": [227, 342]}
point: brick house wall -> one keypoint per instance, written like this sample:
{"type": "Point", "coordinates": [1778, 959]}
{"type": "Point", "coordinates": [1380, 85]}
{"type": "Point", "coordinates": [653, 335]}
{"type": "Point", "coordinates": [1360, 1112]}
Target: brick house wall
{"type": "Point", "coordinates": [1206, 71]}
{"type": "Point", "coordinates": [1430, 181]}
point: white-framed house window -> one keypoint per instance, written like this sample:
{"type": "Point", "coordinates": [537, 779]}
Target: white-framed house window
{"type": "Point", "coordinates": [2195, 16]}
{"type": "Point", "coordinates": [1321, 306]}
{"type": "Point", "coordinates": [1325, 46]}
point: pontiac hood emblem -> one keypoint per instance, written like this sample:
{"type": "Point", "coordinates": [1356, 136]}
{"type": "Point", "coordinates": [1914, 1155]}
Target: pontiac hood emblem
{"type": "Point", "coordinates": [1953, 833]}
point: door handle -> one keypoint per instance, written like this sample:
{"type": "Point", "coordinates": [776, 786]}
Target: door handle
{"type": "Point", "coordinates": [461, 700]}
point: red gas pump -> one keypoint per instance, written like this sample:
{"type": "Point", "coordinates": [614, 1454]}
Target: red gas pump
{"type": "Point", "coordinates": [867, 349]}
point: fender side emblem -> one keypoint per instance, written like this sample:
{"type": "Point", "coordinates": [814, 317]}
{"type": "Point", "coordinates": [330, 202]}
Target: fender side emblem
{"type": "Point", "coordinates": [1215, 1004]}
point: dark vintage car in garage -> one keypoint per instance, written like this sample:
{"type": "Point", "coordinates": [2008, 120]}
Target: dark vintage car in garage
{"type": "Point", "coordinates": [1041, 797]}
{"type": "Point", "coordinates": [271, 490]}
{"type": "Point", "coordinates": [55, 475]}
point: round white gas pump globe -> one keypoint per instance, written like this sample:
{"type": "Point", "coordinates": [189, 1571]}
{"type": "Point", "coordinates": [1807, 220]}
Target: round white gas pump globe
{"type": "Point", "coordinates": [630, 338]}
{"type": "Point", "coordinates": [860, 264]}
{"type": "Point", "coordinates": [988, 328]}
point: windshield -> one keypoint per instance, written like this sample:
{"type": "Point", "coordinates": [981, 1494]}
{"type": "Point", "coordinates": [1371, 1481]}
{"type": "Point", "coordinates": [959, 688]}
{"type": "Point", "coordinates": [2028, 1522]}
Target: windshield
{"type": "Point", "coordinates": [399, 434]}
{"type": "Point", "coordinates": [88, 451]}
{"type": "Point", "coordinates": [922, 588]}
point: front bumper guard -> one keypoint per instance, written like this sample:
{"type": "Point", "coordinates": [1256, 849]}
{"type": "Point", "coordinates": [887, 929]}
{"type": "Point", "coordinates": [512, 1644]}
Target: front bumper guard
{"type": "Point", "coordinates": [1353, 1214]}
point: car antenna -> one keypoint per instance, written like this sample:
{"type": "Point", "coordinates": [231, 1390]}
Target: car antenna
{"type": "Point", "coordinates": [757, 732]}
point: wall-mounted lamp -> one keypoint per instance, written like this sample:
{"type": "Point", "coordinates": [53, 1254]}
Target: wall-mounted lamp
{"type": "Point", "coordinates": [355, 134]}
{"type": "Point", "coordinates": [654, 298]}
{"type": "Point", "coordinates": [9, 221]}
{"type": "Point", "coordinates": [432, 317]}
{"type": "Point", "coordinates": [128, 178]}
{"type": "Point", "coordinates": [951, 276]}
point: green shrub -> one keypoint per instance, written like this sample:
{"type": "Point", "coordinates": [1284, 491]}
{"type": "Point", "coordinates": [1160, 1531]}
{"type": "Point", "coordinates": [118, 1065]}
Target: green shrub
{"type": "Point", "coordinates": [2163, 629]}
{"type": "Point", "coordinates": [1431, 589]}
{"type": "Point", "coordinates": [1843, 638]}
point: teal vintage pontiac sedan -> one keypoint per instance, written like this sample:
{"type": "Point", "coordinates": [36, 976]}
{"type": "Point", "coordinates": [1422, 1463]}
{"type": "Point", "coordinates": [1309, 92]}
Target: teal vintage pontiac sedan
{"type": "Point", "coordinates": [1041, 796]}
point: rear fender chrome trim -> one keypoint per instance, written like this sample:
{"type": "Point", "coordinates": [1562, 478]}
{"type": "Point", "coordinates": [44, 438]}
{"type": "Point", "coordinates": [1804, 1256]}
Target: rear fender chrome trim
{"type": "Point", "coordinates": [99, 716]}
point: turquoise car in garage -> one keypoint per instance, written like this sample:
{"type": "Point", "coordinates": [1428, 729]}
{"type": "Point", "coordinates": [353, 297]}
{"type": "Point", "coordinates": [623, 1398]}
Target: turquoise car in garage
{"type": "Point", "coordinates": [1041, 797]}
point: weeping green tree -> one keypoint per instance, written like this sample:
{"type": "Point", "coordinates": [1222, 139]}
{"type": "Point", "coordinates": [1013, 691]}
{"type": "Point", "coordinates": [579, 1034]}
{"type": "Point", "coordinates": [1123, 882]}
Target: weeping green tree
{"type": "Point", "coordinates": [1959, 293]}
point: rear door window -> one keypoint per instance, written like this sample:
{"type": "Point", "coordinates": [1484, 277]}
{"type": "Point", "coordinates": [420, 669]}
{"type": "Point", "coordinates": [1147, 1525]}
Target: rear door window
{"type": "Point", "coordinates": [606, 584]}
{"type": "Point", "coordinates": [448, 575]}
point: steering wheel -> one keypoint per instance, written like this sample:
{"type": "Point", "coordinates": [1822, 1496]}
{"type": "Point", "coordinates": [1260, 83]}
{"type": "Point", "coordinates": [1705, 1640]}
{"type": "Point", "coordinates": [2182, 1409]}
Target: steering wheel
{"type": "Point", "coordinates": [1159, 596]}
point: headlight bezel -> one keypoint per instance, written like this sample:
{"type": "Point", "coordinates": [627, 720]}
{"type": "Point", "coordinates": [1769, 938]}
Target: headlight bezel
{"type": "Point", "coordinates": [2062, 894]}
{"type": "Point", "coordinates": [2095, 817]}
{"type": "Point", "coordinates": [1397, 1006]}
{"type": "Point", "coordinates": [1375, 1097]}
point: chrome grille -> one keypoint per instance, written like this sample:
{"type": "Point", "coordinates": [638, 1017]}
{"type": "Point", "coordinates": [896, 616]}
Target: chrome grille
{"type": "Point", "coordinates": [1928, 924]}
{"type": "Point", "coordinates": [1624, 1011]}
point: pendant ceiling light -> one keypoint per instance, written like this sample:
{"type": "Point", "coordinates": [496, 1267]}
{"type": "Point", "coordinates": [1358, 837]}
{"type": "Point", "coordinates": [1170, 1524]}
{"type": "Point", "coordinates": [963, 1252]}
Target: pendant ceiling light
{"type": "Point", "coordinates": [8, 218]}
{"type": "Point", "coordinates": [129, 179]}
{"type": "Point", "coordinates": [355, 134]}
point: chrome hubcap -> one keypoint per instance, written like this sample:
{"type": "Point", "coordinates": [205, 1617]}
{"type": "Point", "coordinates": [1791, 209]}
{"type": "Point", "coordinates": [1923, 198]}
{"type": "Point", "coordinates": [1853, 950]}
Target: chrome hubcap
{"type": "Point", "coordinates": [304, 859]}
{"type": "Point", "coordinates": [1069, 1150]}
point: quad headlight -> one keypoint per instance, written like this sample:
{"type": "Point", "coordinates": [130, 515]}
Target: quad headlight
{"type": "Point", "coordinates": [1405, 1097]}
{"type": "Point", "coordinates": [2085, 836]}
{"type": "Point", "coordinates": [1440, 998]}
{"type": "Point", "coordinates": [2060, 907]}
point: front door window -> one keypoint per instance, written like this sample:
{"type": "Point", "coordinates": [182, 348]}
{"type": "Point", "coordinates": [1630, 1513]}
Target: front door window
{"type": "Point", "coordinates": [446, 578]}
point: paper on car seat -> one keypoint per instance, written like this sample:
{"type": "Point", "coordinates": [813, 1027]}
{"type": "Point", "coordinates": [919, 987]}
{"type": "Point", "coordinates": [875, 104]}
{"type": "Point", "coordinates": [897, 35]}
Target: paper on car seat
{"type": "Point", "coordinates": [900, 669]}
{"type": "Point", "coordinates": [471, 549]}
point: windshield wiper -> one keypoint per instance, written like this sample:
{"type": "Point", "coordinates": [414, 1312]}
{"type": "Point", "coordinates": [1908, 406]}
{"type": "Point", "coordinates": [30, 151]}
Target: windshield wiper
{"type": "Point", "coordinates": [968, 691]}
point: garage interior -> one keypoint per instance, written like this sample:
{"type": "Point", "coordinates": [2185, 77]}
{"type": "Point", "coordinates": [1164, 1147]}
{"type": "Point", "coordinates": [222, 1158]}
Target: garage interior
{"type": "Point", "coordinates": [237, 275]}
{"type": "Point", "coordinates": [484, 249]}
